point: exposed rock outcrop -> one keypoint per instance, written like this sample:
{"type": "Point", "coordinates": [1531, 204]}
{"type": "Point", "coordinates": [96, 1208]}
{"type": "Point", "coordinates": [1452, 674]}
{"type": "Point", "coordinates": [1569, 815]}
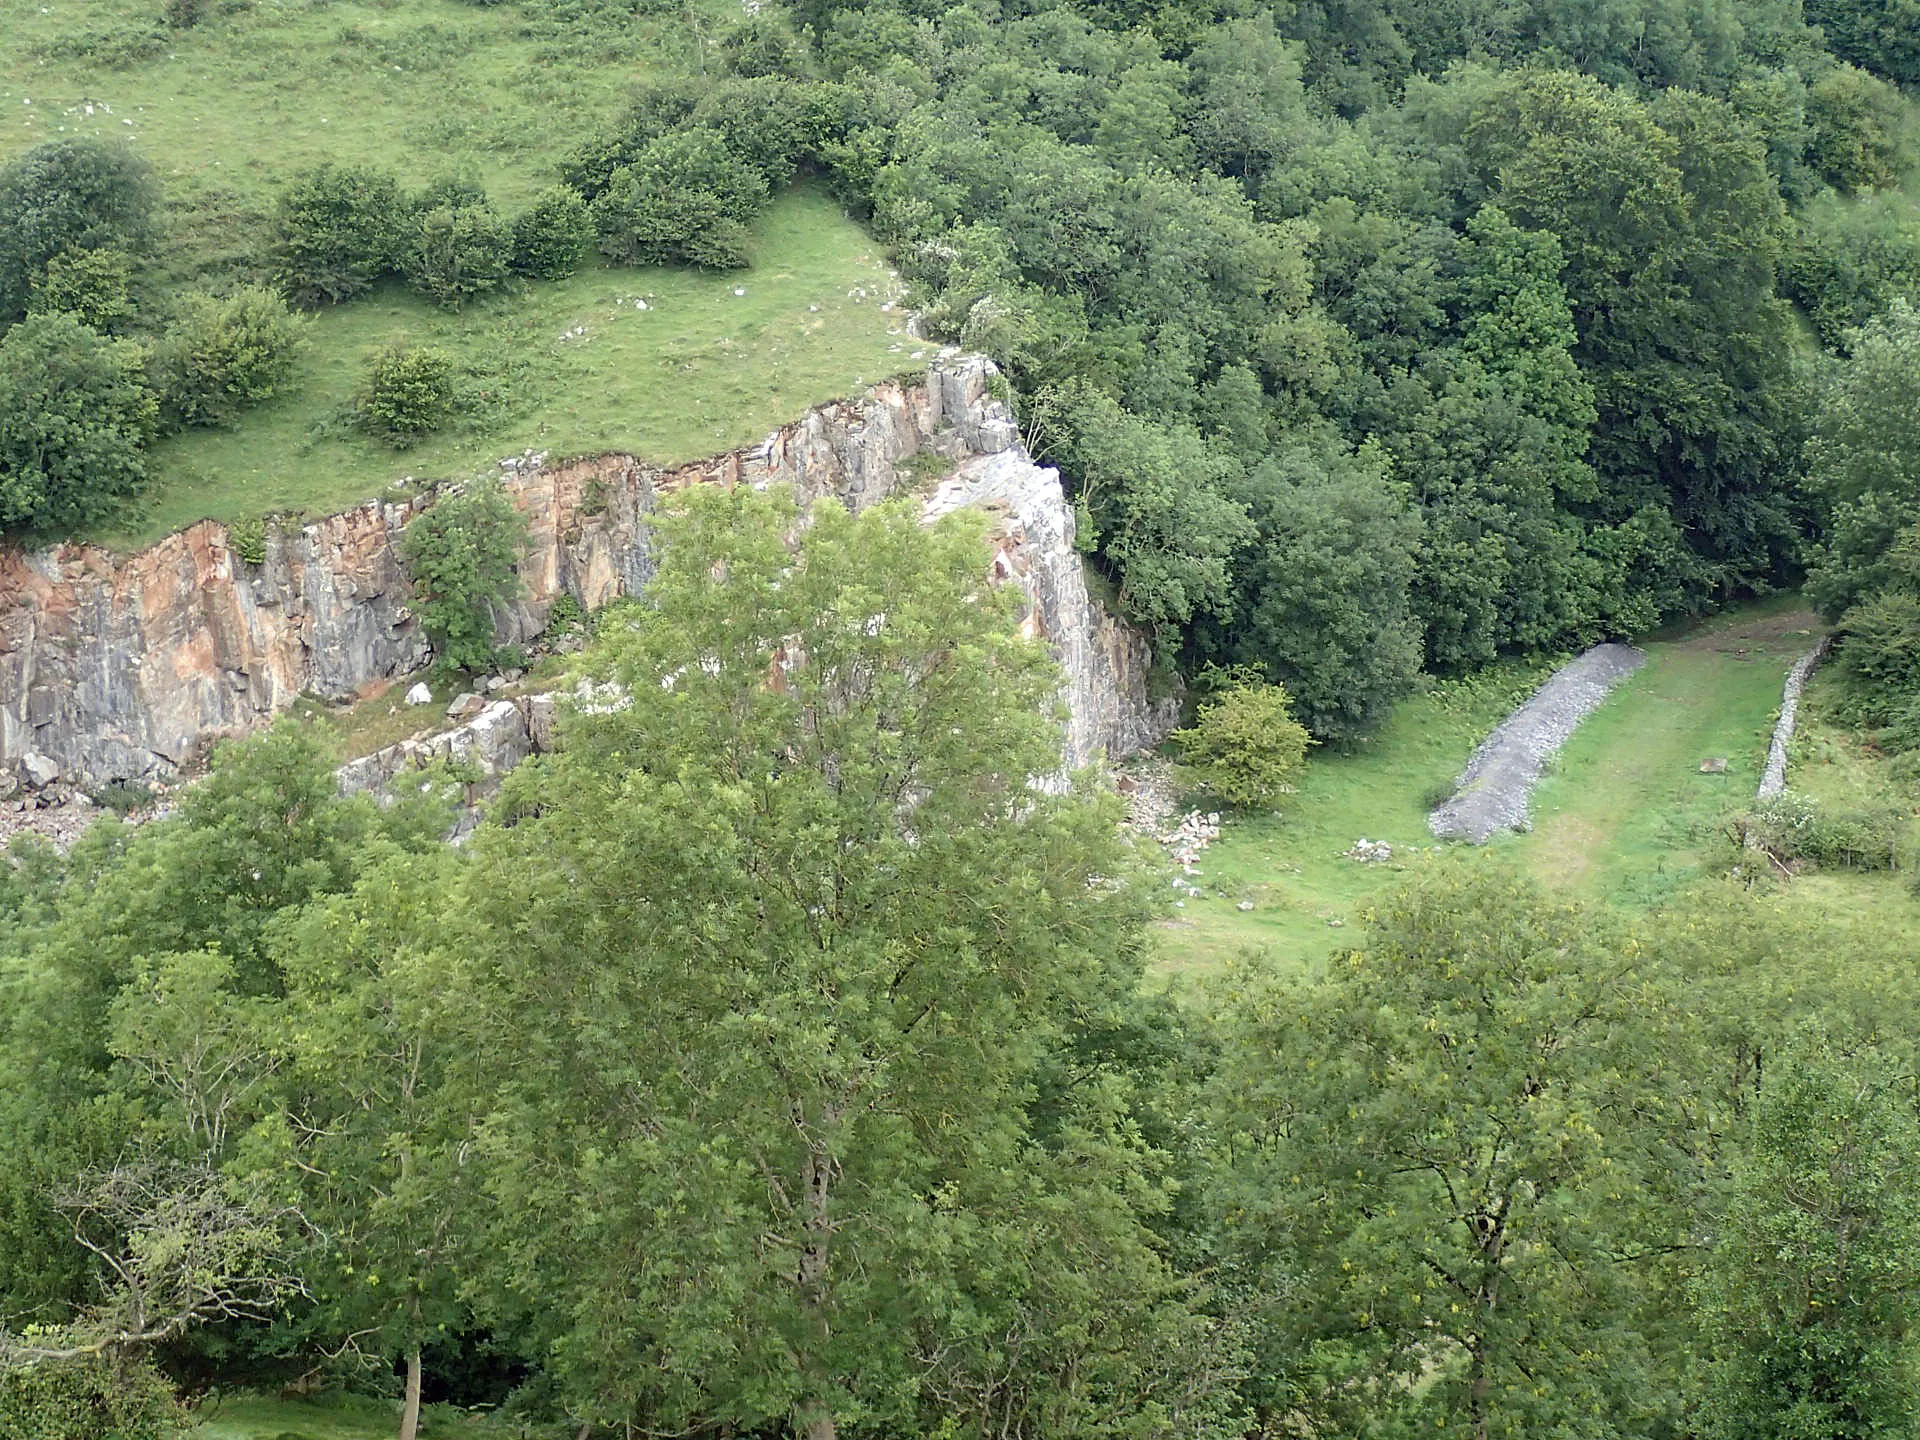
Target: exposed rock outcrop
{"type": "Point", "coordinates": [125, 667]}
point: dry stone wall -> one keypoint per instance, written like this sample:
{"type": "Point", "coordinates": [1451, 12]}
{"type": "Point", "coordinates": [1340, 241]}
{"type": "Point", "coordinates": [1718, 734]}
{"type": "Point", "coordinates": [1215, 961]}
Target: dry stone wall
{"type": "Point", "coordinates": [125, 667]}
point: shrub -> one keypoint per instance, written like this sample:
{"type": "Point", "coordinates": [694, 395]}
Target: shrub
{"type": "Point", "coordinates": [408, 394]}
{"type": "Point", "coordinates": [1245, 747]}
{"type": "Point", "coordinates": [336, 233]}
{"type": "Point", "coordinates": [93, 286]}
{"type": "Point", "coordinates": [91, 1400]}
{"type": "Point", "coordinates": [686, 198]}
{"type": "Point", "coordinates": [1857, 120]}
{"type": "Point", "coordinates": [551, 235]}
{"type": "Point", "coordinates": [223, 355]}
{"type": "Point", "coordinates": [75, 419]}
{"type": "Point", "coordinates": [453, 253]}
{"type": "Point", "coordinates": [461, 556]}
{"type": "Point", "coordinates": [65, 196]}
{"type": "Point", "coordinates": [1793, 827]}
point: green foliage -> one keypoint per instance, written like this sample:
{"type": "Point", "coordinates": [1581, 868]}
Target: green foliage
{"type": "Point", "coordinates": [1808, 1303]}
{"type": "Point", "coordinates": [461, 556]}
{"type": "Point", "coordinates": [1159, 496]}
{"type": "Point", "coordinates": [1325, 605]}
{"type": "Point", "coordinates": [408, 394]}
{"type": "Point", "coordinates": [860, 1170]}
{"type": "Point", "coordinates": [1877, 35]}
{"type": "Point", "coordinates": [1424, 1211]}
{"type": "Point", "coordinates": [64, 197]}
{"type": "Point", "coordinates": [1858, 124]}
{"type": "Point", "coordinates": [337, 229]}
{"type": "Point", "coordinates": [75, 419]}
{"type": "Point", "coordinates": [686, 197]}
{"type": "Point", "coordinates": [552, 235]}
{"type": "Point", "coordinates": [1864, 460]}
{"type": "Point", "coordinates": [116, 1399]}
{"type": "Point", "coordinates": [248, 540]}
{"type": "Point", "coordinates": [222, 355]}
{"type": "Point", "coordinates": [93, 286]}
{"type": "Point", "coordinates": [452, 252]}
{"type": "Point", "coordinates": [1793, 827]}
{"type": "Point", "coordinates": [1244, 746]}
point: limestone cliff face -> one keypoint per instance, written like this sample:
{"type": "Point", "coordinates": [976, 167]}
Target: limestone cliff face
{"type": "Point", "coordinates": [124, 667]}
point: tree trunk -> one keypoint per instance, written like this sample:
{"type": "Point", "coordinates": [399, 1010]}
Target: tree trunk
{"type": "Point", "coordinates": [410, 1411]}
{"type": "Point", "coordinates": [815, 1411]}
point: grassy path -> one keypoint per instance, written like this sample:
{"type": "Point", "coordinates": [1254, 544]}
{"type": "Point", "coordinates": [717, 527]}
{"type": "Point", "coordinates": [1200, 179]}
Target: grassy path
{"type": "Point", "coordinates": [1624, 814]}
{"type": "Point", "coordinates": [1625, 811]}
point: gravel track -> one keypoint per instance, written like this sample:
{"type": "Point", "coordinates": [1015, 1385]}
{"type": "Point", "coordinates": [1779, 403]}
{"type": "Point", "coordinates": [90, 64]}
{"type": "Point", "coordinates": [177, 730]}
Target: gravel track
{"type": "Point", "coordinates": [1491, 793]}
{"type": "Point", "coordinates": [1774, 779]}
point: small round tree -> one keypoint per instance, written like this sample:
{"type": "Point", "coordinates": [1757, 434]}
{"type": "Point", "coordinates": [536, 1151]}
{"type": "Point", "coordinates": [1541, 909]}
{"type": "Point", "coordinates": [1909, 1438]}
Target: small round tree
{"type": "Point", "coordinates": [75, 419]}
{"type": "Point", "coordinates": [222, 355]}
{"type": "Point", "coordinates": [337, 231]}
{"type": "Point", "coordinates": [453, 253]}
{"type": "Point", "coordinates": [461, 557]}
{"type": "Point", "coordinates": [408, 394]}
{"type": "Point", "coordinates": [66, 196]}
{"type": "Point", "coordinates": [551, 235]}
{"type": "Point", "coordinates": [1245, 747]}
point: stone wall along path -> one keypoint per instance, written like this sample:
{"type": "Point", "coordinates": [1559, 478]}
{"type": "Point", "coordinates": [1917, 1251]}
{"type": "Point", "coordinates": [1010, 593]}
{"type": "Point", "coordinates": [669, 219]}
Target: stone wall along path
{"type": "Point", "coordinates": [1492, 792]}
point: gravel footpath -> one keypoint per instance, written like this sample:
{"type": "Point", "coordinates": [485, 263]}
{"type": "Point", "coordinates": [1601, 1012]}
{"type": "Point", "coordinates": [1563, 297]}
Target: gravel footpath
{"type": "Point", "coordinates": [1774, 779]}
{"type": "Point", "coordinates": [1491, 793]}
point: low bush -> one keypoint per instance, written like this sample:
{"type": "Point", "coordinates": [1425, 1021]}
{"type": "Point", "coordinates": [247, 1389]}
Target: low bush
{"type": "Point", "coordinates": [687, 197]}
{"type": "Point", "coordinates": [1244, 747]}
{"type": "Point", "coordinates": [337, 231]}
{"type": "Point", "coordinates": [408, 394]}
{"type": "Point", "coordinates": [93, 286]}
{"type": "Point", "coordinates": [454, 253]}
{"type": "Point", "coordinates": [222, 355]}
{"type": "Point", "coordinates": [551, 235]}
{"type": "Point", "coordinates": [122, 1399]}
{"type": "Point", "coordinates": [1794, 828]}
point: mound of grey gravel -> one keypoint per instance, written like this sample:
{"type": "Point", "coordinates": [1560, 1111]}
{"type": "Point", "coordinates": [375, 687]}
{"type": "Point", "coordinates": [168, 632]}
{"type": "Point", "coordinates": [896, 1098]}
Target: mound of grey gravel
{"type": "Point", "coordinates": [1491, 793]}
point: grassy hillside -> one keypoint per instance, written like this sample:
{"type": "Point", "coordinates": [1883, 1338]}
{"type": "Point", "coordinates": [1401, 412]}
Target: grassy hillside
{"type": "Point", "coordinates": [713, 361]}
{"type": "Point", "coordinates": [233, 107]}
{"type": "Point", "coordinates": [670, 363]}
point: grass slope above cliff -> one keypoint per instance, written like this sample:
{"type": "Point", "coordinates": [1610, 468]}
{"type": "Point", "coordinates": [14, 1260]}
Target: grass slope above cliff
{"type": "Point", "coordinates": [229, 109]}
{"type": "Point", "coordinates": [576, 366]}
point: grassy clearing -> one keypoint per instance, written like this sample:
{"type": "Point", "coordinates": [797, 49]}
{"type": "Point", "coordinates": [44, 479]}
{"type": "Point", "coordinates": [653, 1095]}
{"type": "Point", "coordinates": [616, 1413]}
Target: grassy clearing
{"type": "Point", "coordinates": [1625, 813]}
{"type": "Point", "coordinates": [1306, 896]}
{"type": "Point", "coordinates": [574, 367]}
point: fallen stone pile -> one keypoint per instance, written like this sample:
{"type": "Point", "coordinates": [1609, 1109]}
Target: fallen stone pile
{"type": "Point", "coordinates": [1369, 852]}
{"type": "Point", "coordinates": [1187, 840]}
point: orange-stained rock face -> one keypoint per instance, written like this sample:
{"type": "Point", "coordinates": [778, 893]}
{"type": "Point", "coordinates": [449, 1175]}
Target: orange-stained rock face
{"type": "Point", "coordinates": [122, 667]}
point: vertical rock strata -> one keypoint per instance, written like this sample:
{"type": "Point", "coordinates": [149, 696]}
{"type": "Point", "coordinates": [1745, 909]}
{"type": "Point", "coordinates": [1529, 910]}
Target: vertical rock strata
{"type": "Point", "coordinates": [122, 667]}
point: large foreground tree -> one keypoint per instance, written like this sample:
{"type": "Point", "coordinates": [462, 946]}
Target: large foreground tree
{"type": "Point", "coordinates": [789, 972]}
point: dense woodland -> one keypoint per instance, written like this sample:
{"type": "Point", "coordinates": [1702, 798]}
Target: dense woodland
{"type": "Point", "coordinates": [776, 1059]}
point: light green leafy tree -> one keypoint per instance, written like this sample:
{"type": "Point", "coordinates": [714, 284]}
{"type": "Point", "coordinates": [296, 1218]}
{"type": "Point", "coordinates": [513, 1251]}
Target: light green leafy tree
{"type": "Point", "coordinates": [777, 969]}
{"type": "Point", "coordinates": [1809, 1305]}
{"type": "Point", "coordinates": [1450, 1174]}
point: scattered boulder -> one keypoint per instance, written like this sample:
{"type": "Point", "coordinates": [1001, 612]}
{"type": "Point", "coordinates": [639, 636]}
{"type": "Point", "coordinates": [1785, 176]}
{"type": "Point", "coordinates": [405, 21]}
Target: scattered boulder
{"type": "Point", "coordinates": [465, 706]}
{"type": "Point", "coordinates": [1715, 765]}
{"type": "Point", "coordinates": [419, 694]}
{"type": "Point", "coordinates": [37, 770]}
{"type": "Point", "coordinates": [1369, 852]}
